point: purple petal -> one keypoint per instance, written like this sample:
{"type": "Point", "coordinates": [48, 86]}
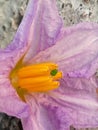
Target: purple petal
{"type": "Point", "coordinates": [89, 85]}
{"type": "Point", "coordinates": [76, 51]}
{"type": "Point", "coordinates": [45, 27]}
{"type": "Point", "coordinates": [74, 103]}
{"type": "Point", "coordinates": [45, 117]}
{"type": "Point", "coordinates": [38, 29]}
{"type": "Point", "coordinates": [46, 120]}
{"type": "Point", "coordinates": [79, 102]}
{"type": "Point", "coordinates": [80, 107]}
{"type": "Point", "coordinates": [66, 106]}
{"type": "Point", "coordinates": [10, 103]}
{"type": "Point", "coordinates": [32, 122]}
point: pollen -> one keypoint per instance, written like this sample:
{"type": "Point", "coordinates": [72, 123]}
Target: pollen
{"type": "Point", "coordinates": [41, 77]}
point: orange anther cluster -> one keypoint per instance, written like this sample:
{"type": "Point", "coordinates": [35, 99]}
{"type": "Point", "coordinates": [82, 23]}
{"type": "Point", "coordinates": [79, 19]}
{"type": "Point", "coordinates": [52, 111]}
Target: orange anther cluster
{"type": "Point", "coordinates": [38, 78]}
{"type": "Point", "coordinates": [35, 78]}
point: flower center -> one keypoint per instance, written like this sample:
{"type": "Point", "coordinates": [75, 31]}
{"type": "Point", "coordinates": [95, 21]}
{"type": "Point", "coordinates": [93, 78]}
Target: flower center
{"type": "Point", "coordinates": [35, 78]}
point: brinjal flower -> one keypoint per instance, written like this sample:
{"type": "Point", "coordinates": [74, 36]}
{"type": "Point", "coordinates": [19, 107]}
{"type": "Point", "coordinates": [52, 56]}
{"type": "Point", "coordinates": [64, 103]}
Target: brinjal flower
{"type": "Point", "coordinates": [47, 73]}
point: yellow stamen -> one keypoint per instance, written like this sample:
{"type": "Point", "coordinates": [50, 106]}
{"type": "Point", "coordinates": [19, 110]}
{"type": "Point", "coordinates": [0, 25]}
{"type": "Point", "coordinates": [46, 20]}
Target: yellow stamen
{"type": "Point", "coordinates": [57, 76]}
{"type": "Point", "coordinates": [42, 87]}
{"type": "Point", "coordinates": [46, 89]}
{"type": "Point", "coordinates": [32, 72]}
{"type": "Point", "coordinates": [35, 78]}
{"type": "Point", "coordinates": [39, 66]}
{"type": "Point", "coordinates": [38, 80]}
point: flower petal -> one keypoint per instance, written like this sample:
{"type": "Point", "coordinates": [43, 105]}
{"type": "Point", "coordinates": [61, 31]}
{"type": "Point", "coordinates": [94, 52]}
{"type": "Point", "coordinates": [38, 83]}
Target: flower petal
{"type": "Point", "coordinates": [38, 29]}
{"type": "Point", "coordinates": [74, 103]}
{"type": "Point", "coordinates": [48, 120]}
{"type": "Point", "coordinates": [44, 117]}
{"type": "Point", "coordinates": [76, 51]}
{"type": "Point", "coordinates": [89, 85]}
{"type": "Point", "coordinates": [10, 103]}
{"type": "Point", "coordinates": [81, 105]}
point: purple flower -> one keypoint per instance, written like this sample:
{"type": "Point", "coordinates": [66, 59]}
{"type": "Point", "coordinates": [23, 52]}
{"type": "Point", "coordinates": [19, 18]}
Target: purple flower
{"type": "Point", "coordinates": [30, 78]}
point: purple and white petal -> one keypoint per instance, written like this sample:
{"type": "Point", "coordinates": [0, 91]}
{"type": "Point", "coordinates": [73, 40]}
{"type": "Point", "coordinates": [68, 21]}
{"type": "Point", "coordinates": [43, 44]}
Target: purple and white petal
{"type": "Point", "coordinates": [79, 102]}
{"type": "Point", "coordinates": [58, 110]}
{"type": "Point", "coordinates": [89, 85]}
{"type": "Point", "coordinates": [38, 30]}
{"type": "Point", "coordinates": [45, 27]}
{"type": "Point", "coordinates": [10, 103]}
{"type": "Point", "coordinates": [75, 108]}
{"type": "Point", "coordinates": [76, 52]}
{"type": "Point", "coordinates": [44, 116]}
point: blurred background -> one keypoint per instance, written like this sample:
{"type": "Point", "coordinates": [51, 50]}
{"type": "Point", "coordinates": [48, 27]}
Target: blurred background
{"type": "Point", "coordinates": [11, 14]}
